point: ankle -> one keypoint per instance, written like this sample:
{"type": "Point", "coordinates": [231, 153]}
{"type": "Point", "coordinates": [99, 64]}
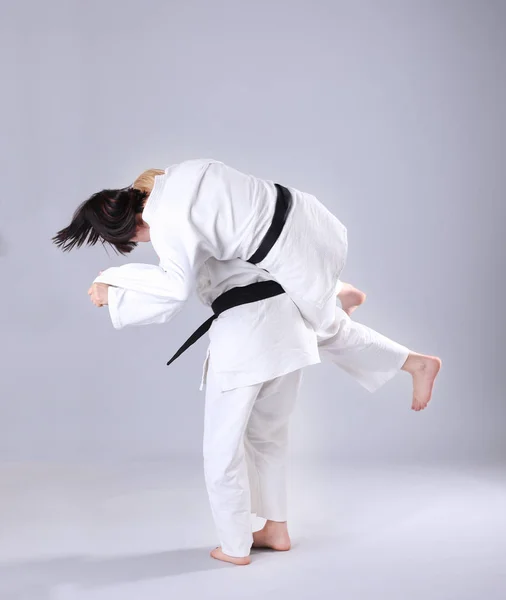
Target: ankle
{"type": "Point", "coordinates": [413, 363]}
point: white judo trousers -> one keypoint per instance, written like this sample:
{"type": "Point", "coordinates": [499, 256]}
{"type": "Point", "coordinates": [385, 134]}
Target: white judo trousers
{"type": "Point", "coordinates": [246, 430]}
{"type": "Point", "coordinates": [245, 446]}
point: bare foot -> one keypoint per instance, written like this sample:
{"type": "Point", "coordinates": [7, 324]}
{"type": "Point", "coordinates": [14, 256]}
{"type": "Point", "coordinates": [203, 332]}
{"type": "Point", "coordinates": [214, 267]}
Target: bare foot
{"type": "Point", "coordinates": [424, 370]}
{"type": "Point", "coordinates": [274, 535]}
{"type": "Point", "coordinates": [351, 298]}
{"type": "Point", "coordinates": [219, 555]}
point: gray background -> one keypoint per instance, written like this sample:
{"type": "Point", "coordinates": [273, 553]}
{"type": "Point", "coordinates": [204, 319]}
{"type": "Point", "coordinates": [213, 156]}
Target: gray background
{"type": "Point", "coordinates": [393, 113]}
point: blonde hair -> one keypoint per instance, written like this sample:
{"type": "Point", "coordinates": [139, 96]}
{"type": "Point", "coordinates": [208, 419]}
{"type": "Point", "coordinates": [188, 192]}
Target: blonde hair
{"type": "Point", "coordinates": [146, 180]}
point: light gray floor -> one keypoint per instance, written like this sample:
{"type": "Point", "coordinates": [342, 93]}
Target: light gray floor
{"type": "Point", "coordinates": [144, 531]}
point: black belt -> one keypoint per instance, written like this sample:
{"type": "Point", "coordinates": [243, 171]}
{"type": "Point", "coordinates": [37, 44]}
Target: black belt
{"type": "Point", "coordinates": [283, 205]}
{"type": "Point", "coordinates": [234, 297]}
{"type": "Point", "coordinates": [255, 291]}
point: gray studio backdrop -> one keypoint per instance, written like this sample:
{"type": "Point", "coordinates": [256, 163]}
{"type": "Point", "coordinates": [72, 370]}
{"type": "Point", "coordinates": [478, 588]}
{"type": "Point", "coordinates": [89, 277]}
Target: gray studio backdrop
{"type": "Point", "coordinates": [391, 112]}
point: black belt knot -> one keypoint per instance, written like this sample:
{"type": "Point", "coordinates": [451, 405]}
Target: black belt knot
{"type": "Point", "coordinates": [234, 297]}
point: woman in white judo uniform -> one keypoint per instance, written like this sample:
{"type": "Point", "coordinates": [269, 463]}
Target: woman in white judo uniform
{"type": "Point", "coordinates": [252, 375]}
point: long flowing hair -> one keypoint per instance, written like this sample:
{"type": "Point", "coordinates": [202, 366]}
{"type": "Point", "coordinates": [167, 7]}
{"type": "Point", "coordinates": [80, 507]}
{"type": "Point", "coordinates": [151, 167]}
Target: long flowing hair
{"type": "Point", "coordinates": [109, 216]}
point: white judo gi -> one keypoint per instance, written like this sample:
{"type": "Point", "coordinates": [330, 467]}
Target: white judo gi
{"type": "Point", "coordinates": [253, 372]}
{"type": "Point", "coordinates": [202, 208]}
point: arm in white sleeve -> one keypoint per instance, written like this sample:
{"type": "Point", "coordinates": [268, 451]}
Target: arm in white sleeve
{"type": "Point", "coordinates": [128, 307]}
{"type": "Point", "coordinates": [143, 294]}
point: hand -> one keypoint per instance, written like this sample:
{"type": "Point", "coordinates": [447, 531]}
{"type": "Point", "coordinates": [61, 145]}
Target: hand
{"type": "Point", "coordinates": [99, 293]}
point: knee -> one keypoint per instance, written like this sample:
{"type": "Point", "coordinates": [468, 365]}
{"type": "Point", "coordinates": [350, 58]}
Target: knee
{"type": "Point", "coordinates": [272, 448]}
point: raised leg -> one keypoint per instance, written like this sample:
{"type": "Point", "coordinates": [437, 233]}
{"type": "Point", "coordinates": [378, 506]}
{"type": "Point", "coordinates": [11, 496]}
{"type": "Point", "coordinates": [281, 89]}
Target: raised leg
{"type": "Point", "coordinates": [373, 359]}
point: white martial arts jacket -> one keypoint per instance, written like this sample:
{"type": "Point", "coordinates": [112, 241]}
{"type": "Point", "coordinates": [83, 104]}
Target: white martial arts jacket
{"type": "Point", "coordinates": [249, 344]}
{"type": "Point", "coordinates": [202, 209]}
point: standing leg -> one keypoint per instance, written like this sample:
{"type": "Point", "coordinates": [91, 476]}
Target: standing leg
{"type": "Point", "coordinates": [226, 417]}
{"type": "Point", "coordinates": [266, 447]}
{"type": "Point", "coordinates": [373, 359]}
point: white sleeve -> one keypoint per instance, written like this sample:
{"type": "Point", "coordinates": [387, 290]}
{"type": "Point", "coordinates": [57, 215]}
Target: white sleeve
{"type": "Point", "coordinates": [142, 294]}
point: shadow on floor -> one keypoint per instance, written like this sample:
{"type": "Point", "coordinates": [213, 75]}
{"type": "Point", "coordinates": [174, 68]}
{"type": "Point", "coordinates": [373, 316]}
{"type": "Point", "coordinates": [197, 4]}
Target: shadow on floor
{"type": "Point", "coordinates": [37, 578]}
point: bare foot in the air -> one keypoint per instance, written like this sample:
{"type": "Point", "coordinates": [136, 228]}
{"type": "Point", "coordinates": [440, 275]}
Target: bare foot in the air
{"type": "Point", "coordinates": [424, 370]}
{"type": "Point", "coordinates": [219, 555]}
{"type": "Point", "coordinates": [350, 297]}
{"type": "Point", "coordinates": [274, 535]}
